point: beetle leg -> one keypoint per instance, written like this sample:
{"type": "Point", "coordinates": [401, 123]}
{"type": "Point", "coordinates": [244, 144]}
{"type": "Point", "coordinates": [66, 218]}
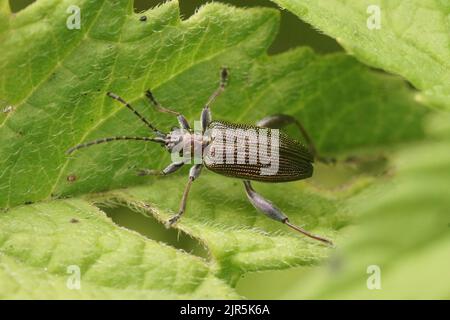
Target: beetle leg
{"type": "Point", "coordinates": [171, 168]}
{"type": "Point", "coordinates": [270, 210]}
{"type": "Point", "coordinates": [184, 124]}
{"type": "Point", "coordinates": [278, 121]}
{"type": "Point", "coordinates": [193, 174]}
{"type": "Point", "coordinates": [221, 88]}
{"type": "Point", "coordinates": [205, 118]}
{"type": "Point", "coordinates": [206, 112]}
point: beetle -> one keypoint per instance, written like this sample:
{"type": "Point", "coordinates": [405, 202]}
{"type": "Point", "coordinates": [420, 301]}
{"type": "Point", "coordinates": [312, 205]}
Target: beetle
{"type": "Point", "coordinates": [295, 160]}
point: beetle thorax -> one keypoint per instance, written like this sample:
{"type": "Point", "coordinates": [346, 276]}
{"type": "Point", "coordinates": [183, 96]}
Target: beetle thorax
{"type": "Point", "coordinates": [186, 142]}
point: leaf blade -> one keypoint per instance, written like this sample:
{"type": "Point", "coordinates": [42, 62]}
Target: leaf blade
{"type": "Point", "coordinates": [413, 37]}
{"type": "Point", "coordinates": [113, 262]}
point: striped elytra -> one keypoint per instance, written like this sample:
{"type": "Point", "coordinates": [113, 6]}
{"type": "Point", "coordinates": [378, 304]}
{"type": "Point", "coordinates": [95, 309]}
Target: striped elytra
{"type": "Point", "coordinates": [247, 154]}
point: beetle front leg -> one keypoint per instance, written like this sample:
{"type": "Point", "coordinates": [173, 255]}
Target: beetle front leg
{"type": "Point", "coordinates": [194, 173]}
{"type": "Point", "coordinates": [184, 124]}
{"type": "Point", "coordinates": [270, 210]}
{"type": "Point", "coordinates": [278, 121]}
{"type": "Point", "coordinates": [174, 166]}
{"type": "Point", "coordinates": [205, 118]}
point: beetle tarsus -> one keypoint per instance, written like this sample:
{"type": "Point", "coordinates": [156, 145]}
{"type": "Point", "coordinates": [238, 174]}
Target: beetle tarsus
{"type": "Point", "coordinates": [221, 88]}
{"type": "Point", "coordinates": [224, 75]}
{"type": "Point", "coordinates": [173, 220]}
{"type": "Point", "coordinates": [158, 106]}
{"type": "Point", "coordinates": [308, 234]}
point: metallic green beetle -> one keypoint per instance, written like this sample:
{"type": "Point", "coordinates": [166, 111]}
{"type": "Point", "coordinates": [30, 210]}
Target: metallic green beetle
{"type": "Point", "coordinates": [294, 160]}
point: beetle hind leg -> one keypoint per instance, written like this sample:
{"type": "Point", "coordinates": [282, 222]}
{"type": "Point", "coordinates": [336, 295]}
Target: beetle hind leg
{"type": "Point", "coordinates": [278, 121]}
{"type": "Point", "coordinates": [270, 210]}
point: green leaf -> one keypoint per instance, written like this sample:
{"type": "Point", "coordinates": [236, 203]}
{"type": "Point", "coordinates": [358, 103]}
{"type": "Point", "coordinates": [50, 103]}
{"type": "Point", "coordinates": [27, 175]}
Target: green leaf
{"type": "Point", "coordinates": [53, 90]}
{"type": "Point", "coordinates": [403, 231]}
{"type": "Point", "coordinates": [413, 39]}
{"type": "Point", "coordinates": [39, 244]}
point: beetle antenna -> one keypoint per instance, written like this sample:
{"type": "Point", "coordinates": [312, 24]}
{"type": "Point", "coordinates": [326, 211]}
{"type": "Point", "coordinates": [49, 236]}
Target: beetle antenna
{"type": "Point", "coordinates": [308, 234]}
{"type": "Point", "coordinates": [109, 139]}
{"type": "Point", "coordinates": [142, 118]}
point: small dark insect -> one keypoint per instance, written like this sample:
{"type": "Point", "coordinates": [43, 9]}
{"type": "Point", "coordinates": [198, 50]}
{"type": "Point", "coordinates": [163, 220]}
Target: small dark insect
{"type": "Point", "coordinates": [73, 220]}
{"type": "Point", "coordinates": [294, 161]}
{"type": "Point", "coordinates": [143, 18]}
{"type": "Point", "coordinates": [71, 178]}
